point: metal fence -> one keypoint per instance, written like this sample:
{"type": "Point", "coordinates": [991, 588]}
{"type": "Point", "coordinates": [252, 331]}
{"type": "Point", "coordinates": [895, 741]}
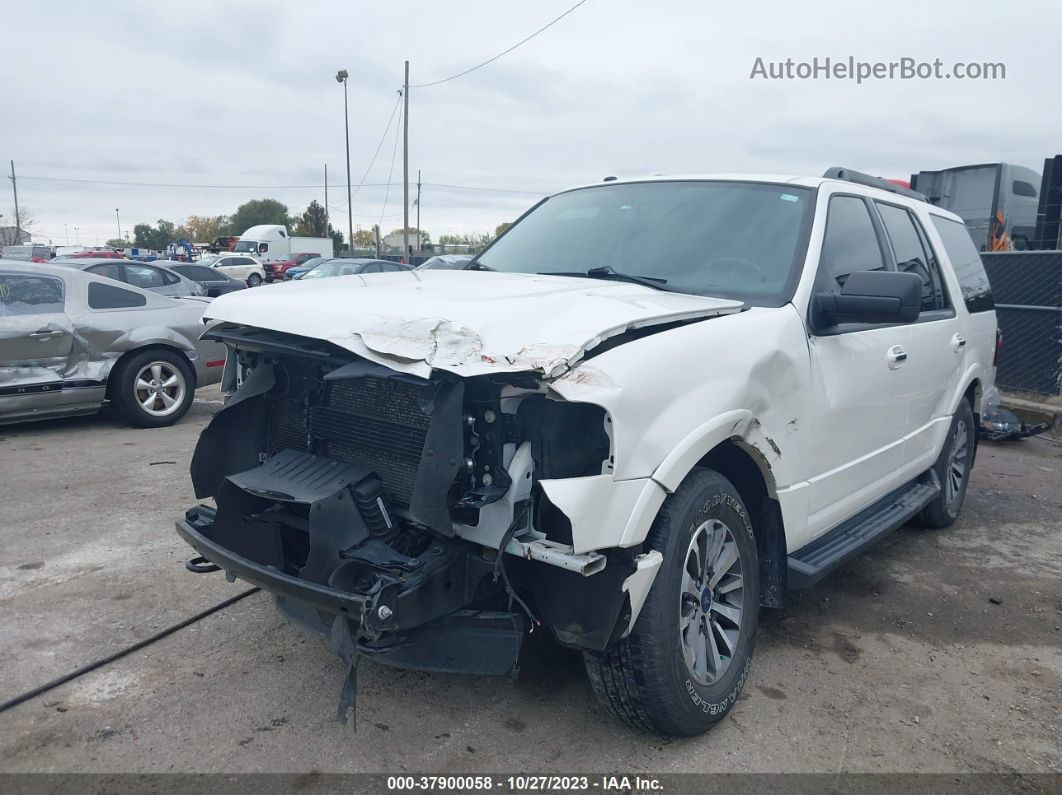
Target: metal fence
{"type": "Point", "coordinates": [1027, 286]}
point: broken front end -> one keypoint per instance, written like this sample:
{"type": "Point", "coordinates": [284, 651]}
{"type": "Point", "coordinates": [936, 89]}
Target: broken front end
{"type": "Point", "coordinates": [402, 518]}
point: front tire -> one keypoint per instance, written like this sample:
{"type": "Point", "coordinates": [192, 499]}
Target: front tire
{"type": "Point", "coordinates": [254, 280]}
{"type": "Point", "coordinates": [153, 389]}
{"type": "Point", "coordinates": [953, 468]}
{"type": "Point", "coordinates": [683, 665]}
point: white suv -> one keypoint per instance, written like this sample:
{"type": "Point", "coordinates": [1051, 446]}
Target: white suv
{"type": "Point", "coordinates": [240, 267]}
{"type": "Point", "coordinates": [645, 411]}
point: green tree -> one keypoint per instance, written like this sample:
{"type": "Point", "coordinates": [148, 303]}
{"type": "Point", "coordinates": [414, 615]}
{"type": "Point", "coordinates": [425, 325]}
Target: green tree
{"type": "Point", "coordinates": [313, 222]}
{"type": "Point", "coordinates": [154, 237]}
{"type": "Point", "coordinates": [337, 238]}
{"type": "Point", "coordinates": [115, 242]}
{"type": "Point", "coordinates": [501, 228]}
{"type": "Point", "coordinates": [258, 211]}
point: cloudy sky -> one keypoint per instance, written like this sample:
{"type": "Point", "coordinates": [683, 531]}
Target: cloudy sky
{"type": "Point", "coordinates": [199, 105]}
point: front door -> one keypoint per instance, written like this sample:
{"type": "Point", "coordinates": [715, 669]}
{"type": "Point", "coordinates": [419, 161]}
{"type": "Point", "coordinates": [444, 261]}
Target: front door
{"type": "Point", "coordinates": [36, 338]}
{"type": "Point", "coordinates": [861, 395]}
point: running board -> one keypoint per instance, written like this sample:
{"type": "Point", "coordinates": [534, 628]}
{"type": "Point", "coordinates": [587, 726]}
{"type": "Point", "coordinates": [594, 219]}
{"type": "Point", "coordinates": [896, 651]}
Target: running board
{"type": "Point", "coordinates": [811, 563]}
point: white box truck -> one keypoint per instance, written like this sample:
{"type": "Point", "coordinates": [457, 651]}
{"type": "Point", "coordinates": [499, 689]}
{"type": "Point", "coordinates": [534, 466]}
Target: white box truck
{"type": "Point", "coordinates": [271, 243]}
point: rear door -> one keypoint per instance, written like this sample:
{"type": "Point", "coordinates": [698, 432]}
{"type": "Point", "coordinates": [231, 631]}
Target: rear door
{"type": "Point", "coordinates": [857, 373]}
{"type": "Point", "coordinates": [936, 351]}
{"type": "Point", "coordinates": [36, 339]}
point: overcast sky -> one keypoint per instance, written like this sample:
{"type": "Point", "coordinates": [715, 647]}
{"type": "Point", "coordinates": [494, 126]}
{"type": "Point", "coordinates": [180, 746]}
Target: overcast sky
{"type": "Point", "coordinates": [221, 92]}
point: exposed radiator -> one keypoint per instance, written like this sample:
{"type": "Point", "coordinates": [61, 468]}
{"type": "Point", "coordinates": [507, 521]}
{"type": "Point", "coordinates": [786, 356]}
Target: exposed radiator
{"type": "Point", "coordinates": [373, 422]}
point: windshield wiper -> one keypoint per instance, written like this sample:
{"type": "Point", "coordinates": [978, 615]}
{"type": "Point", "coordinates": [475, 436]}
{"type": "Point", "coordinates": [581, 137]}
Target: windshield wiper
{"type": "Point", "coordinates": [478, 266]}
{"type": "Point", "coordinates": [608, 272]}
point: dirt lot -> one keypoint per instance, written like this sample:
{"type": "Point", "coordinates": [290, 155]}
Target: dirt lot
{"type": "Point", "coordinates": [939, 651]}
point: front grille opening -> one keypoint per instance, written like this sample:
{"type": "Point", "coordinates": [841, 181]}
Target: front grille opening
{"type": "Point", "coordinates": [373, 422]}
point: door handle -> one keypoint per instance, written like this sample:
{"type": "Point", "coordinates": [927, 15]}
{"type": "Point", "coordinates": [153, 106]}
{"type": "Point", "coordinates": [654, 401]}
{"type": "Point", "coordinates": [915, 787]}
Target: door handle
{"type": "Point", "coordinates": [958, 342]}
{"type": "Point", "coordinates": [46, 333]}
{"type": "Point", "coordinates": [896, 356]}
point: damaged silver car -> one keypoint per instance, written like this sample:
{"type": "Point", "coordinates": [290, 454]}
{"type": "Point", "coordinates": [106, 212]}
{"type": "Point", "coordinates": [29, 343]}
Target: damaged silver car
{"type": "Point", "coordinates": [647, 409]}
{"type": "Point", "coordinates": [72, 342]}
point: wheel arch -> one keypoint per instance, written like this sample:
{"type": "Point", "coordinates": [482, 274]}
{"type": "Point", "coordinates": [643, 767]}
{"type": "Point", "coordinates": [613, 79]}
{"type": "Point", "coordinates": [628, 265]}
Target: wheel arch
{"type": "Point", "coordinates": [746, 468]}
{"type": "Point", "coordinates": [121, 360]}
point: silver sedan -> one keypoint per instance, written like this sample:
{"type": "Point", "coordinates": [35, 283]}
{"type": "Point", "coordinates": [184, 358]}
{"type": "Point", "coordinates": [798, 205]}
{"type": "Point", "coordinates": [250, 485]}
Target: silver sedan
{"type": "Point", "coordinates": [139, 274]}
{"type": "Point", "coordinates": [70, 341]}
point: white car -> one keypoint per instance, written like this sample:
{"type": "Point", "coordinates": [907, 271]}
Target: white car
{"type": "Point", "coordinates": [239, 266]}
{"type": "Point", "coordinates": [646, 410]}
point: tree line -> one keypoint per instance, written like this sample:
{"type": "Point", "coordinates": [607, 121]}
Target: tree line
{"type": "Point", "coordinates": [312, 222]}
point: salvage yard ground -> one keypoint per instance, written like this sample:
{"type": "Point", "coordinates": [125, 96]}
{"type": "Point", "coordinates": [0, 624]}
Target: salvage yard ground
{"type": "Point", "coordinates": [938, 651]}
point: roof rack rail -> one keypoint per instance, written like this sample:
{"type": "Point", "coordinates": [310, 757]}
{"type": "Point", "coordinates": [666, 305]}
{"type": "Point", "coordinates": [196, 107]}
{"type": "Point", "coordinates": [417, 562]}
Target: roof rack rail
{"type": "Point", "coordinates": [859, 178]}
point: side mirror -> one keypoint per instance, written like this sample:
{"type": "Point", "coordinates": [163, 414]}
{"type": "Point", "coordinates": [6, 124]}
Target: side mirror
{"type": "Point", "coordinates": [213, 292]}
{"type": "Point", "coordinates": [871, 297]}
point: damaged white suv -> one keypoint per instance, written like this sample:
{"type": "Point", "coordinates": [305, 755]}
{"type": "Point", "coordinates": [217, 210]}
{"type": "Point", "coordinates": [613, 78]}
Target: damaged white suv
{"type": "Point", "coordinates": [647, 409]}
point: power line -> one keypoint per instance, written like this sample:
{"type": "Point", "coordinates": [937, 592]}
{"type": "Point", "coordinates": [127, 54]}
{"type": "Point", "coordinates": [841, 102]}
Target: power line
{"type": "Point", "coordinates": [378, 146]}
{"type": "Point", "coordinates": [394, 151]}
{"type": "Point", "coordinates": [503, 52]}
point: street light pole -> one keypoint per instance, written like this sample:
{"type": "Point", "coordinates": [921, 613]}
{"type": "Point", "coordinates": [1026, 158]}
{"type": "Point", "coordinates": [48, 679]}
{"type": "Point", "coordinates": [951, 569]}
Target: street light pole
{"type": "Point", "coordinates": [119, 218]}
{"type": "Point", "coordinates": [77, 237]}
{"type": "Point", "coordinates": [341, 77]}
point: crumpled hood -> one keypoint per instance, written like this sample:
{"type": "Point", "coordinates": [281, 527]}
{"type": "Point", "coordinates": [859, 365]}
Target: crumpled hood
{"type": "Point", "coordinates": [465, 322]}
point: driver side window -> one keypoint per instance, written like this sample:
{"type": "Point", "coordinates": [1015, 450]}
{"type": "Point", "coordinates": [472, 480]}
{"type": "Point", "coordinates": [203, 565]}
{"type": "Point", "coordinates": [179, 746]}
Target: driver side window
{"type": "Point", "coordinates": [850, 243]}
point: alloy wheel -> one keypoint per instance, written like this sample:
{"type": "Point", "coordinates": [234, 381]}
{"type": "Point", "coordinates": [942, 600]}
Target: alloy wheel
{"type": "Point", "coordinates": [958, 467]}
{"type": "Point", "coordinates": [711, 602]}
{"type": "Point", "coordinates": [159, 388]}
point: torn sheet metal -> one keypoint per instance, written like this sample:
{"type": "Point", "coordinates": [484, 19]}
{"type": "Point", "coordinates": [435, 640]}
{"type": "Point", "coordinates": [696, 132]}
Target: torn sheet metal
{"type": "Point", "coordinates": [465, 322]}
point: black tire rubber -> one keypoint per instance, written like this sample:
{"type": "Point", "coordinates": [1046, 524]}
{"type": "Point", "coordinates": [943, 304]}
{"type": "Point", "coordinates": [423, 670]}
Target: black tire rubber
{"type": "Point", "coordinates": [121, 393]}
{"type": "Point", "coordinates": [938, 513]}
{"type": "Point", "coordinates": [644, 680]}
{"type": "Point", "coordinates": [254, 280]}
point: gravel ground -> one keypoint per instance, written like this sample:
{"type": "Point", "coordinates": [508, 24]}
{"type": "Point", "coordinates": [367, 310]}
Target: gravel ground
{"type": "Point", "coordinates": [938, 651]}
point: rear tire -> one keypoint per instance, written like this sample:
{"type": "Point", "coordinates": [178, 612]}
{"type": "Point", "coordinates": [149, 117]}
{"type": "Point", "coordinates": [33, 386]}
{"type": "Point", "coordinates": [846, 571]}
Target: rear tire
{"type": "Point", "coordinates": [953, 468]}
{"type": "Point", "coordinates": [254, 280]}
{"type": "Point", "coordinates": [683, 665]}
{"type": "Point", "coordinates": [153, 389]}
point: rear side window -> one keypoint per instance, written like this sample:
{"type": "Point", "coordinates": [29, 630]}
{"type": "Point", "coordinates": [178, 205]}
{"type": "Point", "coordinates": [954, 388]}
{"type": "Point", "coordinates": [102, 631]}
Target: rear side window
{"type": "Point", "coordinates": [143, 276]}
{"type": "Point", "coordinates": [912, 254]}
{"type": "Point", "coordinates": [973, 281]}
{"type": "Point", "coordinates": [850, 244]}
{"type": "Point", "coordinates": [104, 296]}
{"type": "Point", "coordinates": [108, 269]}
{"type": "Point", "coordinates": [30, 295]}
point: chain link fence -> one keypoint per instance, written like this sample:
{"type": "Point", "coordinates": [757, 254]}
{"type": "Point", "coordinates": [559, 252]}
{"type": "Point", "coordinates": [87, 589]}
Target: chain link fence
{"type": "Point", "coordinates": [1027, 286]}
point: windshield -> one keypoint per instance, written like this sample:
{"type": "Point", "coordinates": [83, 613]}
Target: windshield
{"type": "Point", "coordinates": [247, 246]}
{"type": "Point", "coordinates": [336, 267]}
{"type": "Point", "coordinates": [728, 239]}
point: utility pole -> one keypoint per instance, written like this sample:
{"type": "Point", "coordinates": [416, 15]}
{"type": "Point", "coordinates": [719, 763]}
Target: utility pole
{"type": "Point", "coordinates": [326, 201]}
{"type": "Point", "coordinates": [376, 234]}
{"type": "Point", "coordinates": [419, 236]}
{"type": "Point", "coordinates": [66, 236]}
{"type": "Point", "coordinates": [116, 215]}
{"type": "Point", "coordinates": [18, 219]}
{"type": "Point", "coordinates": [405, 167]}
